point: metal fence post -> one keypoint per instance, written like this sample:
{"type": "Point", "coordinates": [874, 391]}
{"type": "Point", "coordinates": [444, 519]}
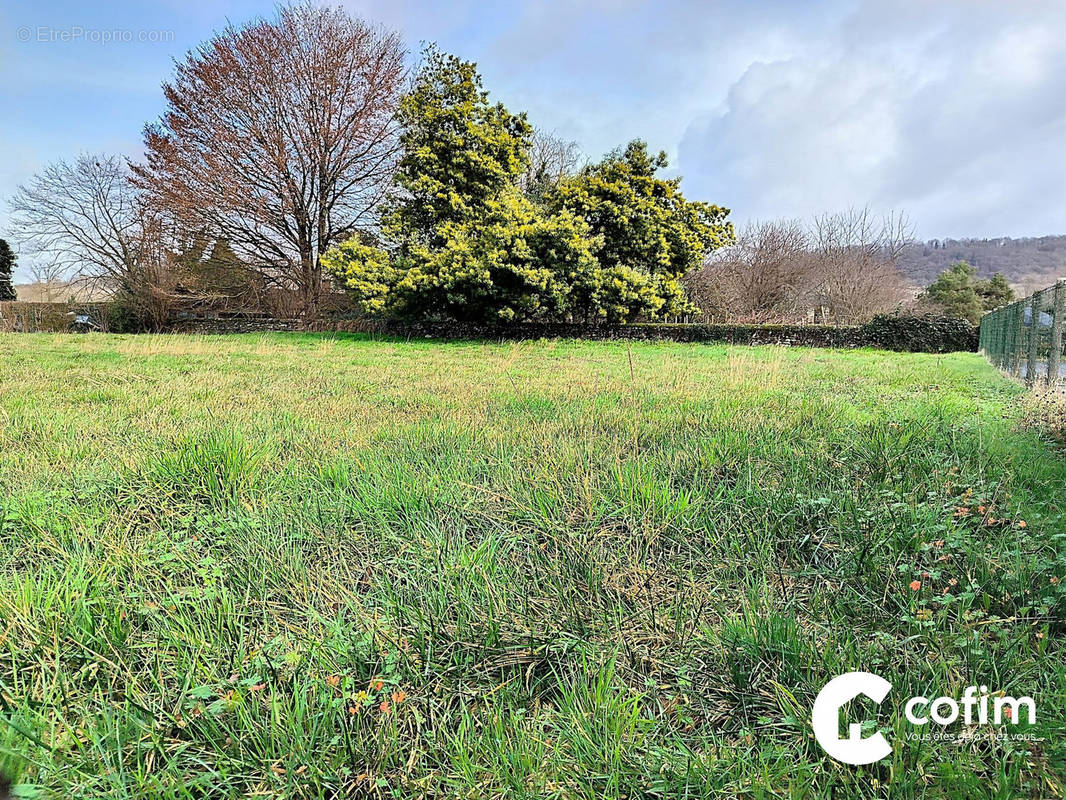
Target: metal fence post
{"type": "Point", "coordinates": [1056, 333]}
{"type": "Point", "coordinates": [1034, 339]}
{"type": "Point", "coordinates": [1003, 336]}
{"type": "Point", "coordinates": [1019, 337]}
{"type": "Point", "coordinates": [1006, 317]}
{"type": "Point", "coordinates": [1019, 334]}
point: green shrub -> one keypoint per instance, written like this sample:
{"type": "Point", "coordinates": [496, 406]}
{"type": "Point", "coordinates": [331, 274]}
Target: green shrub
{"type": "Point", "coordinates": [880, 336]}
{"type": "Point", "coordinates": [647, 235]}
{"type": "Point", "coordinates": [364, 270]}
{"type": "Point", "coordinates": [120, 316]}
{"type": "Point", "coordinates": [461, 242]}
{"type": "Point", "coordinates": [926, 333]}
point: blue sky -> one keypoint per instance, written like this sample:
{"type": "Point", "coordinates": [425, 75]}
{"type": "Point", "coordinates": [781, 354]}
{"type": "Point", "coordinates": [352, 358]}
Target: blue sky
{"type": "Point", "coordinates": [953, 111]}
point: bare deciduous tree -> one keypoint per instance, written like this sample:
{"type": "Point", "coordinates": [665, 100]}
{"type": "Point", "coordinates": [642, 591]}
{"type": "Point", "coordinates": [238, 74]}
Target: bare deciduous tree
{"type": "Point", "coordinates": [49, 272]}
{"type": "Point", "coordinates": [551, 159]}
{"type": "Point", "coordinates": [80, 218]}
{"type": "Point", "coordinates": [842, 270]}
{"type": "Point", "coordinates": [280, 138]}
{"type": "Point", "coordinates": [85, 220]}
{"type": "Point", "coordinates": [764, 277]}
{"type": "Point", "coordinates": [856, 257]}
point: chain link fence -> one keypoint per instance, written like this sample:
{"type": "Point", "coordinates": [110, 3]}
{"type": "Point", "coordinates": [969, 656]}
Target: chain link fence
{"type": "Point", "coordinates": [1024, 339]}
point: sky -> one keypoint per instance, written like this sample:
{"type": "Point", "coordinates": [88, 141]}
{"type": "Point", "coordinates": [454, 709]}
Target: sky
{"type": "Point", "coordinates": [950, 111]}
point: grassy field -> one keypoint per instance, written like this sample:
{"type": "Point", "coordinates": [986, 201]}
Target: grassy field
{"type": "Point", "coordinates": [313, 566]}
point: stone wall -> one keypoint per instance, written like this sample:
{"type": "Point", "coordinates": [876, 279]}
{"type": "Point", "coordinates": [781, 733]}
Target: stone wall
{"type": "Point", "coordinates": [223, 325]}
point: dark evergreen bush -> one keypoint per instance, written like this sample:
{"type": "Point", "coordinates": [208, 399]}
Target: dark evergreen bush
{"type": "Point", "coordinates": [926, 333]}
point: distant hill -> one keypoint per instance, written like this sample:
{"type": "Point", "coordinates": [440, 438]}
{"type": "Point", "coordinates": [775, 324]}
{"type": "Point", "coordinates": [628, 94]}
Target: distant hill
{"type": "Point", "coordinates": [1028, 264]}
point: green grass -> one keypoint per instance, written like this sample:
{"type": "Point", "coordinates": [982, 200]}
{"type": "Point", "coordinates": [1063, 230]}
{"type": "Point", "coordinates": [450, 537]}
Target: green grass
{"type": "Point", "coordinates": [593, 570]}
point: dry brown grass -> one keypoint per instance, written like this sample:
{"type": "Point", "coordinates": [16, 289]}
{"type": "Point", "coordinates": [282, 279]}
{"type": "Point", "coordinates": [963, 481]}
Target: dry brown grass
{"type": "Point", "coordinates": [1045, 410]}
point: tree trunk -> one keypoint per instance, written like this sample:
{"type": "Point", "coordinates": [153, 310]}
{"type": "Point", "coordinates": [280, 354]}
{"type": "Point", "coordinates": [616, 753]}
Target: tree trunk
{"type": "Point", "coordinates": [311, 288]}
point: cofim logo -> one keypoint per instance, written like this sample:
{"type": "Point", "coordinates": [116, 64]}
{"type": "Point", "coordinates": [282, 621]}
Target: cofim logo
{"type": "Point", "coordinates": [825, 718]}
{"type": "Point", "coordinates": [857, 749]}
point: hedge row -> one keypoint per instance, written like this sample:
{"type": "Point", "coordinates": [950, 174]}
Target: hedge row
{"type": "Point", "coordinates": [915, 334]}
{"type": "Point", "coordinates": [22, 316]}
{"type": "Point", "coordinates": [927, 333]}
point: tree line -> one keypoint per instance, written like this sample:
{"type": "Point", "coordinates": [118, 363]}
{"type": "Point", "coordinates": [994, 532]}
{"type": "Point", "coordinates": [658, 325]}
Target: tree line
{"type": "Point", "coordinates": [958, 292]}
{"type": "Point", "coordinates": [842, 268]}
{"type": "Point", "coordinates": [302, 155]}
{"type": "Point", "coordinates": [1030, 263]}
{"type": "Point", "coordinates": [277, 141]}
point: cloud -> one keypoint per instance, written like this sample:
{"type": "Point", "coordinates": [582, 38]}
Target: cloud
{"type": "Point", "coordinates": [952, 112]}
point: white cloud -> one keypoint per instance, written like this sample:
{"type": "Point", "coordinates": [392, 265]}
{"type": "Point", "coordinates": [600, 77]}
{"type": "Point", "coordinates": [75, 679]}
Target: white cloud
{"type": "Point", "coordinates": [950, 111]}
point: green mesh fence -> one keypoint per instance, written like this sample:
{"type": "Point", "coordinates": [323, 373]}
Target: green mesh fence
{"type": "Point", "coordinates": [1024, 339]}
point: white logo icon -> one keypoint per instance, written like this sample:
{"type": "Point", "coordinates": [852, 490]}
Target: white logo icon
{"type": "Point", "coordinates": [944, 711]}
{"type": "Point", "coordinates": [825, 718]}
